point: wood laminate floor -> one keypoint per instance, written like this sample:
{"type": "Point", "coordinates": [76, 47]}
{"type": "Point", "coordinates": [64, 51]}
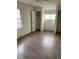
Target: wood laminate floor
{"type": "Point", "coordinates": [39, 45]}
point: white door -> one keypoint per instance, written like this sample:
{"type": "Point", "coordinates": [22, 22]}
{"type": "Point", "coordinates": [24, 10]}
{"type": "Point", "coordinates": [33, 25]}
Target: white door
{"type": "Point", "coordinates": [33, 21]}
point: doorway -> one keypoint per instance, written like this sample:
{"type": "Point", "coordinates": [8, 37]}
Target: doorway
{"type": "Point", "coordinates": [35, 21]}
{"type": "Point", "coordinates": [38, 20]}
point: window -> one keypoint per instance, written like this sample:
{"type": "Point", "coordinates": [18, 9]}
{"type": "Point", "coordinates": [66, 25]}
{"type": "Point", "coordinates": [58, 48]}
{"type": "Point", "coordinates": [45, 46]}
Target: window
{"type": "Point", "coordinates": [19, 22]}
{"type": "Point", "coordinates": [50, 16]}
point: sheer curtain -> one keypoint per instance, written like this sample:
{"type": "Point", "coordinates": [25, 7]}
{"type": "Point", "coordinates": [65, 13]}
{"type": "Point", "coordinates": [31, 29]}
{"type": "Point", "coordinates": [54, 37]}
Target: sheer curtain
{"type": "Point", "coordinates": [19, 22]}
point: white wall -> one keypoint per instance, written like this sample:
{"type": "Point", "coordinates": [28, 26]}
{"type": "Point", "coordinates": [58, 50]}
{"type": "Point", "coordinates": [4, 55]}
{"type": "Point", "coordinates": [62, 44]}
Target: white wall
{"type": "Point", "coordinates": [26, 19]}
{"type": "Point", "coordinates": [58, 7]}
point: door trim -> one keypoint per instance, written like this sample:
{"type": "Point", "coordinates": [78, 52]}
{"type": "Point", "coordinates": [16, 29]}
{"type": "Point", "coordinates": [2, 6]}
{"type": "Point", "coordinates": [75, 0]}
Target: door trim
{"type": "Point", "coordinates": [31, 19]}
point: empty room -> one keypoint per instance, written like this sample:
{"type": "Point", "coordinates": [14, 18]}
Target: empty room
{"type": "Point", "coordinates": [38, 29]}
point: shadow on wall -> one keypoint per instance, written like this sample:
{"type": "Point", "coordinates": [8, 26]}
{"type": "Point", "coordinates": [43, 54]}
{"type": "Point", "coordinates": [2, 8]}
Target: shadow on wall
{"type": "Point", "coordinates": [59, 21]}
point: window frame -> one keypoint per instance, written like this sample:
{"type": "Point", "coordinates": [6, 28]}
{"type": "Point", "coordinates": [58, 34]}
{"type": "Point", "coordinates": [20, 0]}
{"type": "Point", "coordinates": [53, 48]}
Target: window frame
{"type": "Point", "coordinates": [50, 17]}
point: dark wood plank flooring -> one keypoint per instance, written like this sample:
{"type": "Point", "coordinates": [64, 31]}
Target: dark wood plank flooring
{"type": "Point", "coordinates": [39, 45]}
